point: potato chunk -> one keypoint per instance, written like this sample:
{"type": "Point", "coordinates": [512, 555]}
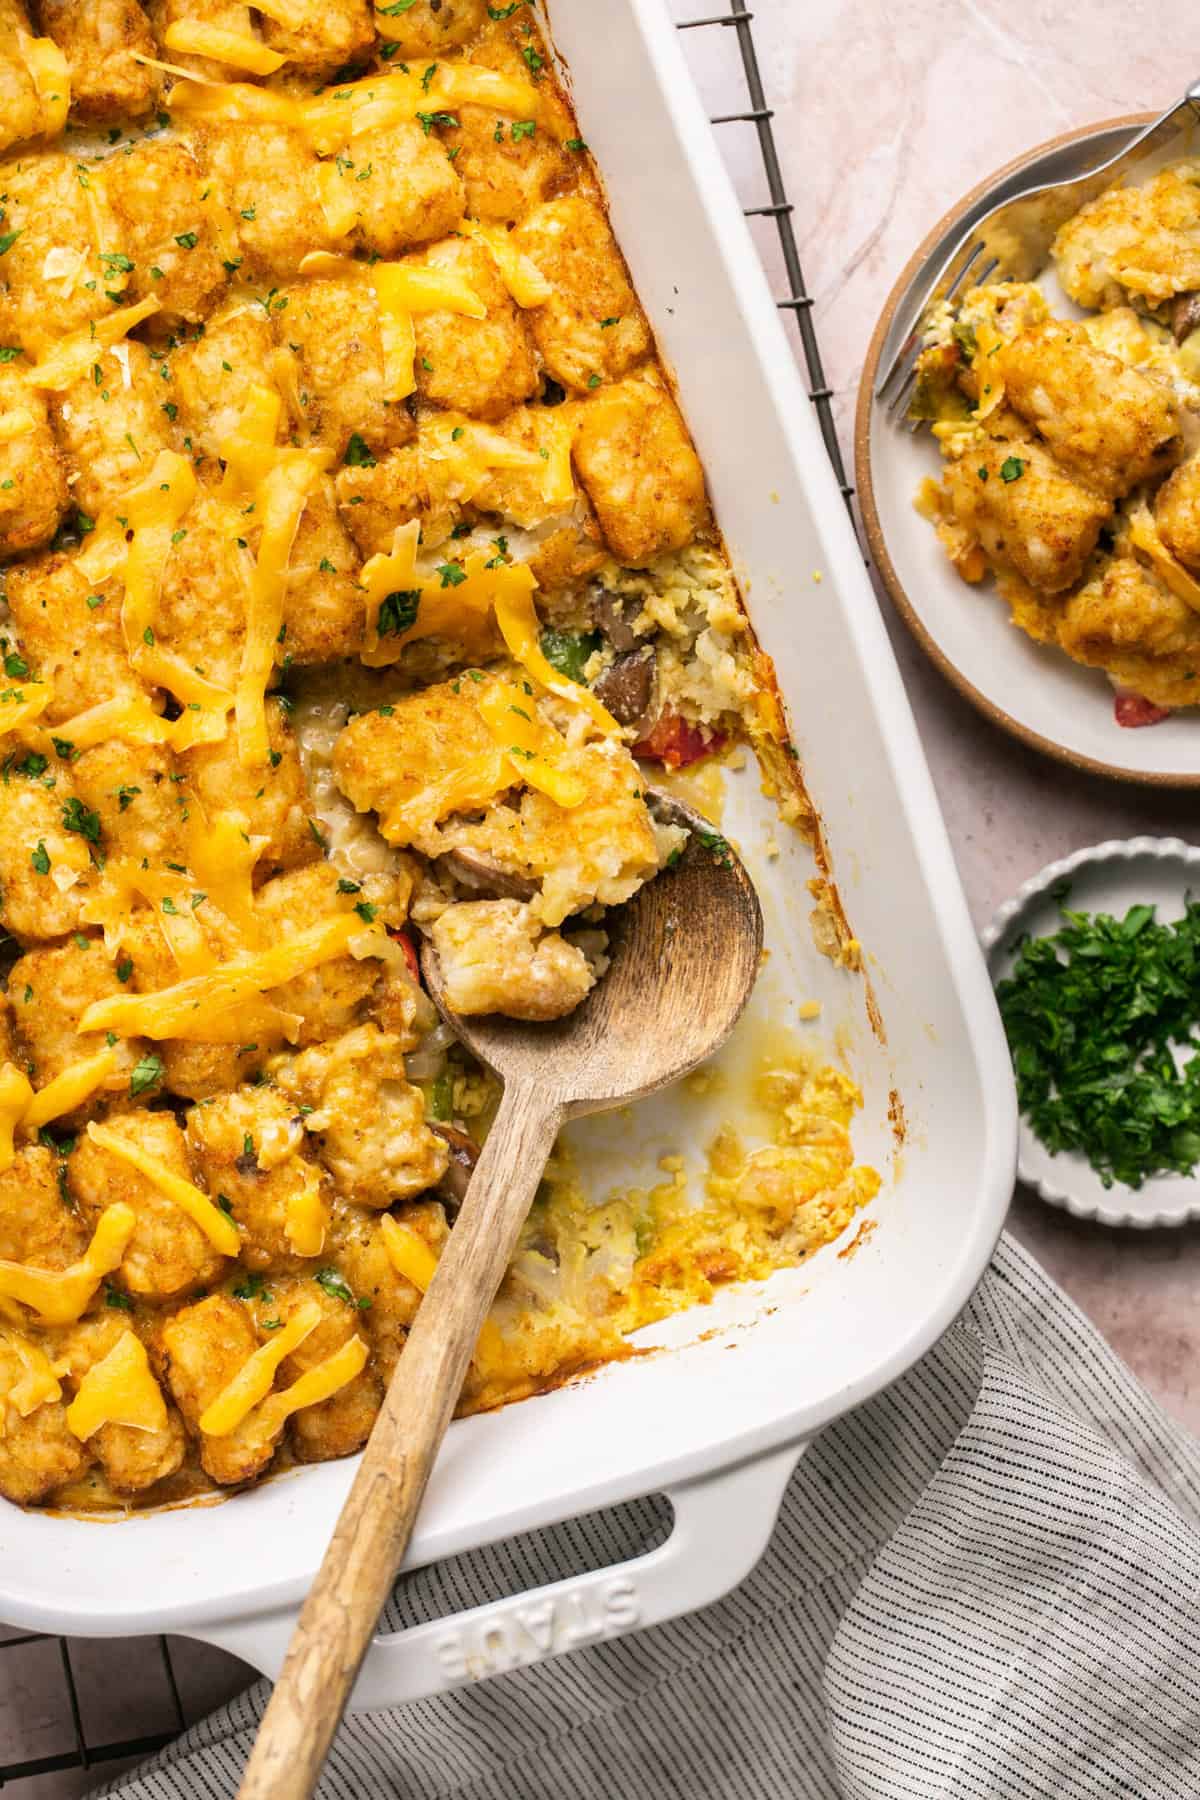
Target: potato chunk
{"type": "Point", "coordinates": [38, 1453]}
{"type": "Point", "coordinates": [214, 374]}
{"type": "Point", "coordinates": [506, 171]}
{"type": "Point", "coordinates": [202, 607]}
{"type": "Point", "coordinates": [51, 278]}
{"type": "Point", "coordinates": [45, 871]}
{"type": "Point", "coordinates": [496, 958]}
{"type": "Point", "coordinates": [272, 801]}
{"type": "Point", "coordinates": [330, 999]}
{"type": "Point", "coordinates": [76, 646]}
{"type": "Point", "coordinates": [230, 15]}
{"type": "Point", "coordinates": [409, 192]}
{"type": "Point", "coordinates": [140, 807]}
{"type": "Point", "coordinates": [202, 1348]}
{"type": "Point", "coordinates": [340, 1425]}
{"type": "Point", "coordinates": [111, 428]}
{"type": "Point", "coordinates": [332, 326]}
{"type": "Point", "coordinates": [1108, 425]}
{"type": "Point", "coordinates": [1142, 240]}
{"type": "Point", "coordinates": [388, 763]}
{"type": "Point", "coordinates": [268, 177]}
{"type": "Point", "coordinates": [374, 499]}
{"type": "Point", "coordinates": [321, 36]}
{"type": "Point", "coordinates": [478, 366]}
{"type": "Point", "coordinates": [97, 38]}
{"type": "Point", "coordinates": [1025, 511]}
{"type": "Point", "coordinates": [132, 1459]}
{"type": "Point", "coordinates": [250, 1146]}
{"type": "Point", "coordinates": [168, 1254]}
{"type": "Point", "coordinates": [323, 616]}
{"type": "Point", "coordinates": [21, 110]}
{"type": "Point", "coordinates": [592, 323]}
{"type": "Point", "coordinates": [363, 1259]}
{"type": "Point", "coordinates": [33, 481]}
{"type": "Point", "coordinates": [36, 1224]}
{"type": "Point", "coordinates": [171, 225]}
{"type": "Point", "coordinates": [635, 458]}
{"type": "Point", "coordinates": [1126, 621]}
{"type": "Point", "coordinates": [430, 26]}
{"type": "Point", "coordinates": [1177, 512]}
{"type": "Point", "coordinates": [367, 1119]}
{"type": "Point", "coordinates": [49, 990]}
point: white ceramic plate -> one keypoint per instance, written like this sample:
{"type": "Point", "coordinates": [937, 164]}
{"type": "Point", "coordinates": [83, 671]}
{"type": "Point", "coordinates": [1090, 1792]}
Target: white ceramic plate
{"type": "Point", "coordinates": [1107, 878]}
{"type": "Point", "coordinates": [1031, 690]}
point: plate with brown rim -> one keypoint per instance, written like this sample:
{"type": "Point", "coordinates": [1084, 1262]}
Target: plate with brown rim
{"type": "Point", "coordinates": [1031, 690]}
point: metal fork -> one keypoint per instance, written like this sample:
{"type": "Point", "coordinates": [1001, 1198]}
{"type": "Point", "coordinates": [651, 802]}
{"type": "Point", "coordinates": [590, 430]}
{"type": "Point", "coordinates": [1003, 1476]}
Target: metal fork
{"type": "Point", "coordinates": [1006, 235]}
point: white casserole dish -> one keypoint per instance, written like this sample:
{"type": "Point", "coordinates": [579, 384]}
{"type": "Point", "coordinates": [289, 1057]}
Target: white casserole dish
{"type": "Point", "coordinates": [717, 1419]}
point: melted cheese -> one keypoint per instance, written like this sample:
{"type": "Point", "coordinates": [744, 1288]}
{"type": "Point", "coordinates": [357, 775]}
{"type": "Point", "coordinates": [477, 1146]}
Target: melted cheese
{"type": "Point", "coordinates": [531, 747]}
{"type": "Point", "coordinates": [408, 1252]}
{"type": "Point", "coordinates": [38, 1384]}
{"type": "Point", "coordinates": [73, 356]}
{"type": "Point", "coordinates": [523, 279]}
{"type": "Point", "coordinates": [197, 1005]}
{"type": "Point", "coordinates": [17, 422]}
{"type": "Point", "coordinates": [19, 706]}
{"type": "Point", "coordinates": [519, 628]}
{"type": "Point", "coordinates": [281, 498]}
{"type": "Point", "coordinates": [217, 1227]}
{"type": "Point", "coordinates": [460, 611]}
{"type": "Point", "coordinates": [130, 719]}
{"type": "Point", "coordinates": [59, 1297]}
{"type": "Point", "coordinates": [70, 1089]}
{"type": "Point", "coordinates": [250, 449]}
{"type": "Point", "coordinates": [15, 1094]}
{"type": "Point", "coordinates": [307, 1219]}
{"type": "Point", "coordinates": [254, 1380]}
{"type": "Point", "coordinates": [118, 1390]}
{"type": "Point", "coordinates": [193, 37]}
{"type": "Point", "coordinates": [313, 1386]}
{"type": "Point", "coordinates": [422, 288]}
{"type": "Point", "coordinates": [222, 855]}
{"type": "Point", "coordinates": [50, 74]}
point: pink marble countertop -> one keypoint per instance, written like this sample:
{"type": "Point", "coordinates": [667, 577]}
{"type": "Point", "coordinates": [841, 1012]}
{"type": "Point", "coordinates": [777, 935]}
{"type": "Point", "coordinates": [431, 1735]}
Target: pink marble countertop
{"type": "Point", "coordinates": [884, 115]}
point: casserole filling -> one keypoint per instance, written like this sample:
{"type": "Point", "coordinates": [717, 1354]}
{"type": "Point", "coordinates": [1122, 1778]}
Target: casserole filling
{"type": "Point", "coordinates": [359, 575]}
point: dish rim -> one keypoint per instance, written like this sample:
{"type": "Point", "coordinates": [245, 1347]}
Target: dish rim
{"type": "Point", "coordinates": [1111, 850]}
{"type": "Point", "coordinates": [872, 524]}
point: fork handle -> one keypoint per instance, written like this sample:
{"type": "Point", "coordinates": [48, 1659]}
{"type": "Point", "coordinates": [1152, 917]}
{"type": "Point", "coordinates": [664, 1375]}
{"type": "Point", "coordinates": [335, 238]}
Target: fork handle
{"type": "Point", "coordinates": [343, 1606]}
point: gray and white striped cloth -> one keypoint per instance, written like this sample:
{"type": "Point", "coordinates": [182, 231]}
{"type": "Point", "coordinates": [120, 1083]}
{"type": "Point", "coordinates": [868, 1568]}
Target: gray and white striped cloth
{"type": "Point", "coordinates": [983, 1584]}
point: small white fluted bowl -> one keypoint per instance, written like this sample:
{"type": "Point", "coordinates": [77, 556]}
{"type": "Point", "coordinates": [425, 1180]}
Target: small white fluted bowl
{"type": "Point", "coordinates": [1110, 878]}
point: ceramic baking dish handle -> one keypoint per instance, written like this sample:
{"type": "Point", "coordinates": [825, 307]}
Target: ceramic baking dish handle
{"type": "Point", "coordinates": [722, 1525]}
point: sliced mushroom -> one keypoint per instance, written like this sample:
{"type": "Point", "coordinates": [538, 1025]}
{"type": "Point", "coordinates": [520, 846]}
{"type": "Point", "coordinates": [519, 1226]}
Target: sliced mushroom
{"type": "Point", "coordinates": [627, 686]}
{"type": "Point", "coordinates": [613, 616]}
{"type": "Point", "coordinates": [464, 1154]}
{"type": "Point", "coordinates": [1185, 315]}
{"type": "Point", "coordinates": [478, 872]}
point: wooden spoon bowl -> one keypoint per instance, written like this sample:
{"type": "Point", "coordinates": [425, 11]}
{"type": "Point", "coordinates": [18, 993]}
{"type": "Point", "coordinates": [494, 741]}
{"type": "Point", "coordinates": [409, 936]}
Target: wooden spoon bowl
{"type": "Point", "coordinates": [684, 952]}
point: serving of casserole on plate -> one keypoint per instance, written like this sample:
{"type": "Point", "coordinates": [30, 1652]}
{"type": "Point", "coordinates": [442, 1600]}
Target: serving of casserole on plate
{"type": "Point", "coordinates": [361, 576]}
{"type": "Point", "coordinates": [1065, 410]}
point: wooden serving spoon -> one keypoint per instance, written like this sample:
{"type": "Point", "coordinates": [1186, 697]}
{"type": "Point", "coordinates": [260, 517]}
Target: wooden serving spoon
{"type": "Point", "coordinates": [685, 952]}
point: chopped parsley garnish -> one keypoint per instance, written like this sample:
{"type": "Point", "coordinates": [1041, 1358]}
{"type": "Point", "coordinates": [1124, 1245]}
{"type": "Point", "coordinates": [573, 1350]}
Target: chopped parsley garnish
{"type": "Point", "coordinates": [534, 62]}
{"type": "Point", "coordinates": [147, 1073]}
{"type": "Point", "coordinates": [116, 263]}
{"type": "Point", "coordinates": [717, 848]}
{"type": "Point", "coordinates": [522, 128]}
{"type": "Point", "coordinates": [115, 1298]}
{"type": "Point", "coordinates": [982, 472]}
{"type": "Point", "coordinates": [40, 858]}
{"type": "Point", "coordinates": [334, 1286]}
{"type": "Point", "coordinates": [187, 240]}
{"type": "Point", "coordinates": [15, 667]}
{"type": "Point", "coordinates": [575, 144]}
{"type": "Point", "coordinates": [452, 573]}
{"type": "Point", "coordinates": [33, 765]}
{"type": "Point", "coordinates": [318, 836]}
{"type": "Point", "coordinates": [7, 241]}
{"type": "Point", "coordinates": [398, 612]}
{"type": "Point", "coordinates": [348, 887]}
{"type": "Point", "coordinates": [358, 454]}
{"type": "Point", "coordinates": [430, 119]}
{"type": "Point", "coordinates": [1012, 468]}
{"type": "Point", "coordinates": [9, 352]}
{"type": "Point", "coordinates": [124, 969]}
{"type": "Point", "coordinates": [504, 12]}
{"type": "Point", "coordinates": [81, 819]}
{"type": "Point", "coordinates": [1098, 1016]}
{"type": "Point", "coordinates": [397, 7]}
{"type": "Point", "coordinates": [605, 324]}
{"type": "Point", "coordinates": [253, 1288]}
{"type": "Point", "coordinates": [125, 796]}
{"type": "Point", "coordinates": [366, 911]}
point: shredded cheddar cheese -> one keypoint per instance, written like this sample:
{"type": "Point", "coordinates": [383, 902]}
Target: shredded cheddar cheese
{"type": "Point", "coordinates": [254, 1380]}
{"type": "Point", "coordinates": [521, 276]}
{"type": "Point", "coordinates": [519, 628]}
{"type": "Point", "coordinates": [70, 1089]}
{"type": "Point", "coordinates": [532, 747]}
{"type": "Point", "coordinates": [58, 1297]}
{"type": "Point", "coordinates": [315, 1385]}
{"type": "Point", "coordinates": [408, 1252]}
{"type": "Point", "coordinates": [417, 288]}
{"type": "Point", "coordinates": [459, 609]}
{"type": "Point", "coordinates": [39, 1383]}
{"type": "Point", "coordinates": [16, 1092]}
{"type": "Point", "coordinates": [20, 706]}
{"type": "Point", "coordinates": [307, 1219]}
{"type": "Point", "coordinates": [197, 1005]}
{"type": "Point", "coordinates": [217, 1227]}
{"type": "Point", "coordinates": [50, 74]}
{"type": "Point", "coordinates": [193, 37]}
{"type": "Point", "coordinates": [73, 356]}
{"type": "Point", "coordinates": [118, 1390]}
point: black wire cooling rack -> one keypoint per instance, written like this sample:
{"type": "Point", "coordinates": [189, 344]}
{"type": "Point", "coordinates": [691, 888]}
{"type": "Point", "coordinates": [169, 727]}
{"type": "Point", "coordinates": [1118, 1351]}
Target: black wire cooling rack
{"type": "Point", "coordinates": [55, 1731]}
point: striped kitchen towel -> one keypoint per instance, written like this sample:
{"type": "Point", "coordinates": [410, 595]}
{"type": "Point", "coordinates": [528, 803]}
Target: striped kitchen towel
{"type": "Point", "coordinates": [984, 1585]}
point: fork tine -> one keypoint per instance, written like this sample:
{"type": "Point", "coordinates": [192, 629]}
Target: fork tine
{"type": "Point", "coordinates": [982, 275]}
{"type": "Point", "coordinates": [947, 286]}
{"type": "Point", "coordinates": [898, 404]}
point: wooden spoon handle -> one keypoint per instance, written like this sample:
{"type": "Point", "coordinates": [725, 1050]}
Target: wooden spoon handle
{"type": "Point", "coordinates": [356, 1576]}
